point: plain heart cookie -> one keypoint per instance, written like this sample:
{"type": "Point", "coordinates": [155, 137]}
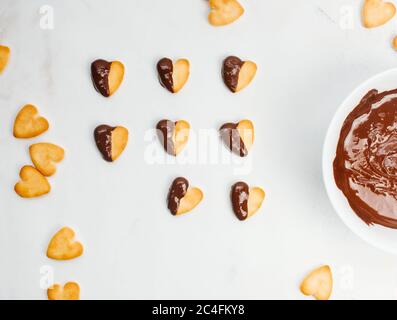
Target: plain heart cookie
{"type": "Point", "coordinates": [33, 184]}
{"type": "Point", "coordinates": [70, 291]}
{"type": "Point", "coordinates": [44, 156]}
{"type": "Point", "coordinates": [246, 201]}
{"type": "Point", "coordinates": [107, 76]}
{"type": "Point", "coordinates": [182, 199]}
{"type": "Point", "coordinates": [173, 135]}
{"type": "Point", "coordinates": [28, 123]}
{"type": "Point", "coordinates": [377, 12]}
{"type": "Point", "coordinates": [238, 137]}
{"type": "Point", "coordinates": [237, 74]}
{"type": "Point", "coordinates": [63, 246]}
{"type": "Point", "coordinates": [394, 43]}
{"type": "Point", "coordinates": [318, 283]}
{"type": "Point", "coordinates": [173, 76]}
{"type": "Point", "coordinates": [111, 141]}
{"type": "Point", "coordinates": [224, 12]}
{"type": "Point", "coordinates": [4, 56]}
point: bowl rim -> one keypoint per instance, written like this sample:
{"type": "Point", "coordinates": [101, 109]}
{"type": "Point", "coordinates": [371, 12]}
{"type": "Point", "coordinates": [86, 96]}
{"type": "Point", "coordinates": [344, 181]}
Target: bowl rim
{"type": "Point", "coordinates": [327, 168]}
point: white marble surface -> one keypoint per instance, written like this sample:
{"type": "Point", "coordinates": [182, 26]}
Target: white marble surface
{"type": "Point", "coordinates": [307, 64]}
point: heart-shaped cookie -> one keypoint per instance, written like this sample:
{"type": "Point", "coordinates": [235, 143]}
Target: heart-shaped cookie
{"type": "Point", "coordinates": [111, 141]}
{"type": "Point", "coordinates": [237, 74]}
{"type": "Point", "coordinates": [377, 12]}
{"type": "Point", "coordinates": [245, 201]}
{"type": "Point", "coordinates": [63, 246]}
{"type": "Point", "coordinates": [394, 43]}
{"type": "Point", "coordinates": [107, 76]}
{"type": "Point", "coordinates": [318, 283]}
{"type": "Point", "coordinates": [182, 199]}
{"type": "Point", "coordinates": [238, 137]}
{"type": "Point", "coordinates": [33, 183]}
{"type": "Point", "coordinates": [29, 123]}
{"type": "Point", "coordinates": [70, 291]}
{"type": "Point", "coordinates": [224, 12]}
{"type": "Point", "coordinates": [44, 156]}
{"type": "Point", "coordinates": [4, 56]}
{"type": "Point", "coordinates": [173, 76]}
{"type": "Point", "coordinates": [173, 135]}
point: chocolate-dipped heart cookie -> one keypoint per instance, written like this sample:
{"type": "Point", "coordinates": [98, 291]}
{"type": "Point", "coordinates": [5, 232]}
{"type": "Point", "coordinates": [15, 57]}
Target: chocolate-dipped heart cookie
{"type": "Point", "coordinates": [245, 201]}
{"type": "Point", "coordinates": [173, 76]}
{"type": "Point", "coordinates": [238, 137]}
{"type": "Point", "coordinates": [107, 76]}
{"type": "Point", "coordinates": [237, 74]}
{"type": "Point", "coordinates": [182, 199]}
{"type": "Point", "coordinates": [111, 141]}
{"type": "Point", "coordinates": [173, 135]}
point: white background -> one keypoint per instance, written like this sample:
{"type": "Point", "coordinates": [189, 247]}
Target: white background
{"type": "Point", "coordinates": [308, 63]}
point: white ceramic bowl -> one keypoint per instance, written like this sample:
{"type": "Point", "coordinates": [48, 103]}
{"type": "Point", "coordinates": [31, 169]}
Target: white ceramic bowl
{"type": "Point", "coordinates": [378, 236]}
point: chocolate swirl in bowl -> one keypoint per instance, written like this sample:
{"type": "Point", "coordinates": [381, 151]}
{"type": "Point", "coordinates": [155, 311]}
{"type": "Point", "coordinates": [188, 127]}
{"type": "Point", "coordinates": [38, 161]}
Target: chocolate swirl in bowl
{"type": "Point", "coordinates": [365, 166]}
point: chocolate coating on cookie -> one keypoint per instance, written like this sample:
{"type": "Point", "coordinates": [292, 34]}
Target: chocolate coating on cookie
{"type": "Point", "coordinates": [103, 140]}
{"type": "Point", "coordinates": [230, 72]}
{"type": "Point", "coordinates": [165, 129]}
{"type": "Point", "coordinates": [100, 70]}
{"type": "Point", "coordinates": [165, 70]}
{"type": "Point", "coordinates": [231, 137]}
{"type": "Point", "coordinates": [240, 195]}
{"type": "Point", "coordinates": [177, 191]}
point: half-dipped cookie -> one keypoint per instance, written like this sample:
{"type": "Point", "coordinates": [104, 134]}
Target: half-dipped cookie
{"type": "Point", "coordinates": [238, 137]}
{"type": "Point", "coordinates": [245, 201]}
{"type": "Point", "coordinates": [237, 74]}
{"type": "Point", "coordinates": [111, 141]}
{"type": "Point", "coordinates": [107, 76]}
{"type": "Point", "coordinates": [182, 199]}
{"type": "Point", "coordinates": [173, 135]}
{"type": "Point", "coordinates": [173, 76]}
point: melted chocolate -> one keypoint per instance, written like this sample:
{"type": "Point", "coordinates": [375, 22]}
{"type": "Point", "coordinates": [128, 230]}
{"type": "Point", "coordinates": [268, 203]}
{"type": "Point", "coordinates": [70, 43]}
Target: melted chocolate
{"type": "Point", "coordinates": [230, 72]}
{"type": "Point", "coordinates": [165, 130]}
{"type": "Point", "coordinates": [100, 70]}
{"type": "Point", "coordinates": [165, 69]}
{"type": "Point", "coordinates": [240, 195]}
{"type": "Point", "coordinates": [103, 139]}
{"type": "Point", "coordinates": [177, 191]}
{"type": "Point", "coordinates": [365, 166]}
{"type": "Point", "coordinates": [232, 139]}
